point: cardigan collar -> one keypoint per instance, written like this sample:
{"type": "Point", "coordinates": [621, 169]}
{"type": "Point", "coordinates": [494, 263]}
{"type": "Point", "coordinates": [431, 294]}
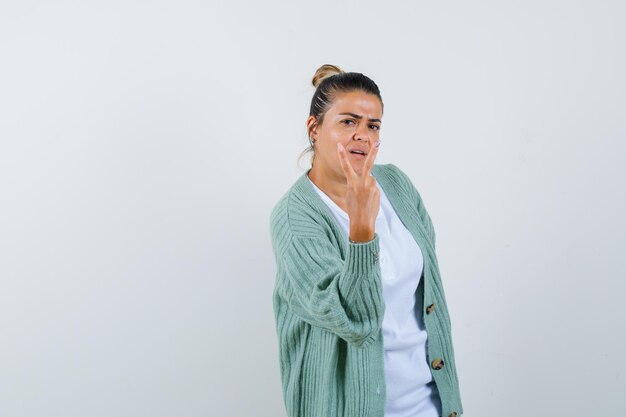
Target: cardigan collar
{"type": "Point", "coordinates": [394, 194]}
{"type": "Point", "coordinates": [304, 185]}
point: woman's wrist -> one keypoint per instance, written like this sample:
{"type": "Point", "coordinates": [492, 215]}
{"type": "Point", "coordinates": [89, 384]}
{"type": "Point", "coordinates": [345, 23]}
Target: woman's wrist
{"type": "Point", "coordinates": [365, 239]}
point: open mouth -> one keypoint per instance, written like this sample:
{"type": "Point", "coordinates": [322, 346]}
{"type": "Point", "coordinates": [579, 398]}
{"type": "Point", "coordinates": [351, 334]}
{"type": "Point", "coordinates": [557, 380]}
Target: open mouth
{"type": "Point", "coordinates": [357, 154]}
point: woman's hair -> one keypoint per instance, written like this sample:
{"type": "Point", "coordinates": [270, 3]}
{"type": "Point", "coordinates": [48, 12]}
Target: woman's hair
{"type": "Point", "coordinates": [329, 80]}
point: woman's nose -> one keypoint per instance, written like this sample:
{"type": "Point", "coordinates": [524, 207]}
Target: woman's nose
{"type": "Point", "coordinates": [362, 133]}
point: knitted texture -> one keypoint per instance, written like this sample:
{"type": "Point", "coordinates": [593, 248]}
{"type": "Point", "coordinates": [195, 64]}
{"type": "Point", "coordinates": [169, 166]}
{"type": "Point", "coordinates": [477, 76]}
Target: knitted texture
{"type": "Point", "coordinates": [329, 307]}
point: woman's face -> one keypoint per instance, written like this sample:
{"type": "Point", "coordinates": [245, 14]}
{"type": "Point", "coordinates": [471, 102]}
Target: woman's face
{"type": "Point", "coordinates": [354, 120]}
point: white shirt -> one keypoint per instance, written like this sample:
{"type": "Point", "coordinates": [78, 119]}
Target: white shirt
{"type": "Point", "coordinates": [411, 389]}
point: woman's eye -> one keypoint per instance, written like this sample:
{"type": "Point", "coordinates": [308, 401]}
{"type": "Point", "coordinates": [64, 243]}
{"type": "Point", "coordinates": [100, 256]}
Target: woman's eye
{"type": "Point", "coordinates": [376, 127]}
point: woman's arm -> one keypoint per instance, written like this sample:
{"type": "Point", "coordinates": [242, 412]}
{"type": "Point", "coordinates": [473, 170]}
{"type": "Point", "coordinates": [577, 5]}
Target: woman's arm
{"type": "Point", "coordinates": [340, 296]}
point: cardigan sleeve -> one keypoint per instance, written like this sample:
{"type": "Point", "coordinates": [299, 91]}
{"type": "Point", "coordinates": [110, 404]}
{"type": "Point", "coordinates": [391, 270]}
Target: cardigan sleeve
{"type": "Point", "coordinates": [416, 201]}
{"type": "Point", "coordinates": [342, 296]}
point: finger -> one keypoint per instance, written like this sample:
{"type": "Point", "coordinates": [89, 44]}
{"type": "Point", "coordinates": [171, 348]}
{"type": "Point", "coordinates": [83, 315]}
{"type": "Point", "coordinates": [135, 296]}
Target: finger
{"type": "Point", "coordinates": [369, 161]}
{"type": "Point", "coordinates": [345, 163]}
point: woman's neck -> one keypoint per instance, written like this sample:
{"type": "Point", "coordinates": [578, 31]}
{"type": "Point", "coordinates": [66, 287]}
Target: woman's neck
{"type": "Point", "coordinates": [335, 189]}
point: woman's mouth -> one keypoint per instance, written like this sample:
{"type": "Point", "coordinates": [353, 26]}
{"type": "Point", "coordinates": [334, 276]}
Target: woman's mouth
{"type": "Point", "coordinates": [357, 155]}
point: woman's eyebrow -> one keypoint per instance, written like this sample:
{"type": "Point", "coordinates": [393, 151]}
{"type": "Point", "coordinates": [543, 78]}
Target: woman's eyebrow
{"type": "Point", "coordinates": [356, 116]}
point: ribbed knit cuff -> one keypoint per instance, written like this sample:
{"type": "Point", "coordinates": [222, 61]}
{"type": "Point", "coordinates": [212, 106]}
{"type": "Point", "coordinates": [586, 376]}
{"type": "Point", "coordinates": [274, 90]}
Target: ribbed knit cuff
{"type": "Point", "coordinates": [361, 261]}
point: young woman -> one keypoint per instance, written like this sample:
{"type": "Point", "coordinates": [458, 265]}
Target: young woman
{"type": "Point", "coordinates": [361, 315]}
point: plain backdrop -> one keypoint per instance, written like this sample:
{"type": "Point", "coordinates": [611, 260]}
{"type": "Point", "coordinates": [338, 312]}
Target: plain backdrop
{"type": "Point", "coordinates": [144, 144]}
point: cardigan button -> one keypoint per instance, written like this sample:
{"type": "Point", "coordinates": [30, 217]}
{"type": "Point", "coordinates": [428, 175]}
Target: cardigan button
{"type": "Point", "coordinates": [437, 363]}
{"type": "Point", "coordinates": [430, 308]}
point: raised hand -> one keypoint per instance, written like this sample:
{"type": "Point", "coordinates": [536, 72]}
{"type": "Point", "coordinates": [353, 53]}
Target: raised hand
{"type": "Point", "coordinates": [362, 195]}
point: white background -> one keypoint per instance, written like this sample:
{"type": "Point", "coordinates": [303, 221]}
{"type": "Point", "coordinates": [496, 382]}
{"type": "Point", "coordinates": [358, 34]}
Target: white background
{"type": "Point", "coordinates": [144, 144]}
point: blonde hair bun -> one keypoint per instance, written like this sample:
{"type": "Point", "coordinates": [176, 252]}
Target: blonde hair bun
{"type": "Point", "coordinates": [325, 71]}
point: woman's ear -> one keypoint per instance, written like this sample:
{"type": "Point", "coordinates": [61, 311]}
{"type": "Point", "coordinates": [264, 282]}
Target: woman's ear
{"type": "Point", "coordinates": [311, 125]}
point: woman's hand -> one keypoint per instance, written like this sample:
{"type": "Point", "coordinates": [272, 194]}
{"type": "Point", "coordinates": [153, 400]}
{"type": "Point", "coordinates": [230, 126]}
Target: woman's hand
{"type": "Point", "coordinates": [362, 195]}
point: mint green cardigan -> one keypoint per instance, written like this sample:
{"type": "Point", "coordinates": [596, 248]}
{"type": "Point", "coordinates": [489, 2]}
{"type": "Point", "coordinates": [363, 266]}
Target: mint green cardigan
{"type": "Point", "coordinates": [329, 307]}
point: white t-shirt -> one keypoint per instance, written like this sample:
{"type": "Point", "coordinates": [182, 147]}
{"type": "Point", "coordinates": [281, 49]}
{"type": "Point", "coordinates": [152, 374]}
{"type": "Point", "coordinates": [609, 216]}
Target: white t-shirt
{"type": "Point", "coordinates": [411, 389]}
